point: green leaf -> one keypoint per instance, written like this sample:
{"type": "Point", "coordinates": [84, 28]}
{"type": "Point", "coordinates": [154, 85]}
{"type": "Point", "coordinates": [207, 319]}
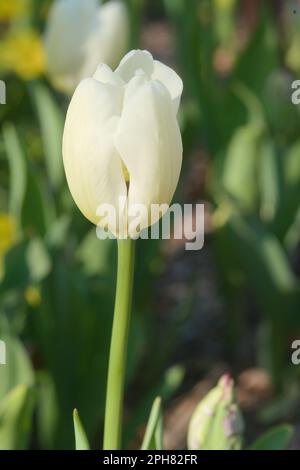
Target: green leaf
{"type": "Point", "coordinates": [281, 406]}
{"type": "Point", "coordinates": [25, 263]}
{"type": "Point", "coordinates": [241, 165]}
{"type": "Point", "coordinates": [15, 418]}
{"type": "Point", "coordinates": [256, 247]}
{"type": "Point", "coordinates": [58, 231]}
{"type": "Point", "coordinates": [51, 123]}
{"type": "Point", "coordinates": [17, 369]}
{"type": "Point", "coordinates": [81, 440]}
{"type": "Point", "coordinates": [261, 54]}
{"type": "Point", "coordinates": [289, 207]}
{"type": "Point", "coordinates": [264, 264]}
{"type": "Point", "coordinates": [29, 201]}
{"type": "Point", "coordinates": [174, 8]}
{"type": "Point", "coordinates": [17, 169]}
{"type": "Point", "coordinates": [47, 410]}
{"type": "Point", "coordinates": [37, 211]}
{"type": "Point", "coordinates": [16, 273]}
{"type": "Point", "coordinates": [94, 254]}
{"type": "Point", "coordinates": [277, 438]}
{"type": "Point", "coordinates": [270, 181]}
{"type": "Point", "coordinates": [165, 388]}
{"type": "Point", "coordinates": [70, 314]}
{"type": "Point", "coordinates": [153, 438]}
{"type": "Point", "coordinates": [38, 260]}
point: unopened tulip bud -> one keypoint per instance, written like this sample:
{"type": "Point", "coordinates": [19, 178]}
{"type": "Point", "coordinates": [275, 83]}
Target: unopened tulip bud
{"type": "Point", "coordinates": [79, 35]}
{"type": "Point", "coordinates": [217, 423]}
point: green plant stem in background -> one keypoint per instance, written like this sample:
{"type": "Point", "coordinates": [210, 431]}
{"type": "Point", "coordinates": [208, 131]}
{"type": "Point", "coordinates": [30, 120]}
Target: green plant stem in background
{"type": "Point", "coordinates": [118, 346]}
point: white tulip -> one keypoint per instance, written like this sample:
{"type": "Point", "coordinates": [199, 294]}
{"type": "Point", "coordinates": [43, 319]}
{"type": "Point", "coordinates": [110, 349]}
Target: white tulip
{"type": "Point", "coordinates": [80, 34]}
{"type": "Point", "coordinates": [122, 139]}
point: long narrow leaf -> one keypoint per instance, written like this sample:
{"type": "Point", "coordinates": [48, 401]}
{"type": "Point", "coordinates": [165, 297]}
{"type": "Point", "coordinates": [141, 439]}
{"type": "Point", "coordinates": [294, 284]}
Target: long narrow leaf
{"type": "Point", "coordinates": [15, 418]}
{"type": "Point", "coordinates": [153, 439]}
{"type": "Point", "coordinates": [81, 440]}
{"type": "Point", "coordinates": [277, 438]}
{"type": "Point", "coordinates": [17, 169]}
{"type": "Point", "coordinates": [51, 123]}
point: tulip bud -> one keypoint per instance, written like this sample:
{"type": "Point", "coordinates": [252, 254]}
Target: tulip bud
{"type": "Point", "coordinates": [122, 144]}
{"type": "Point", "coordinates": [217, 423]}
{"type": "Point", "coordinates": [79, 35]}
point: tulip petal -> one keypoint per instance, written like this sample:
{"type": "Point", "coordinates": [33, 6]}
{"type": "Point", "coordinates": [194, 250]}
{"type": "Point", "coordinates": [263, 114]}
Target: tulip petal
{"type": "Point", "coordinates": [68, 26]}
{"type": "Point", "coordinates": [170, 79]}
{"type": "Point", "coordinates": [133, 62]}
{"type": "Point", "coordinates": [107, 40]}
{"type": "Point", "coordinates": [149, 142]}
{"type": "Point", "coordinates": [104, 74]}
{"type": "Point", "coordinates": [92, 164]}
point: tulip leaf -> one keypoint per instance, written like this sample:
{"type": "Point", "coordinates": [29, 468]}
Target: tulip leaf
{"type": "Point", "coordinates": [25, 263]}
{"type": "Point", "coordinates": [29, 201]}
{"type": "Point", "coordinates": [38, 210]}
{"type": "Point", "coordinates": [17, 369]}
{"type": "Point", "coordinates": [165, 388]}
{"type": "Point", "coordinates": [261, 54]}
{"type": "Point", "coordinates": [47, 409]}
{"type": "Point", "coordinates": [263, 261]}
{"type": "Point", "coordinates": [58, 231]}
{"type": "Point", "coordinates": [38, 260]}
{"type": "Point", "coordinates": [291, 190]}
{"type": "Point", "coordinates": [16, 272]}
{"type": "Point", "coordinates": [240, 171]}
{"type": "Point", "coordinates": [70, 313]}
{"type": "Point", "coordinates": [278, 438]}
{"type": "Point", "coordinates": [81, 440]}
{"type": "Point", "coordinates": [15, 418]}
{"type": "Point", "coordinates": [174, 8]}
{"type": "Point", "coordinates": [94, 254]}
{"type": "Point", "coordinates": [270, 181]}
{"type": "Point", "coordinates": [17, 168]}
{"type": "Point", "coordinates": [51, 122]}
{"type": "Point", "coordinates": [153, 438]}
{"type": "Point", "coordinates": [241, 166]}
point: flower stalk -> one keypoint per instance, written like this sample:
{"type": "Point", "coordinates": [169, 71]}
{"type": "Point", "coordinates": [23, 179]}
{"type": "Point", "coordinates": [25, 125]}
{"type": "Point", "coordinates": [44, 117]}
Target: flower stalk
{"type": "Point", "coordinates": [118, 346]}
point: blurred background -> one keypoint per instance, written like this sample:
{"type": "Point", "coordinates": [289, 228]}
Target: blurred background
{"type": "Point", "coordinates": [233, 306]}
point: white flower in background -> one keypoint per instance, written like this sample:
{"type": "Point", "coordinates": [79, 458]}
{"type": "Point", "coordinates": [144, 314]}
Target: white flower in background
{"type": "Point", "coordinates": [79, 35]}
{"type": "Point", "coordinates": [122, 139]}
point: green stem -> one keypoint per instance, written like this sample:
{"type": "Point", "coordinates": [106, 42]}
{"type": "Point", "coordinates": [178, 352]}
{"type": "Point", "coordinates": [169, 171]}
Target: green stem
{"type": "Point", "coordinates": [118, 347]}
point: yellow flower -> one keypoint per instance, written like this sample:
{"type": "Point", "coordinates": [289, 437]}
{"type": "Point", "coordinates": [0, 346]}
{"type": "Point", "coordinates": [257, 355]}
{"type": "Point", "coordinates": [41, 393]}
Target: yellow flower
{"type": "Point", "coordinates": [23, 53]}
{"type": "Point", "coordinates": [8, 236]}
{"type": "Point", "coordinates": [32, 296]}
{"type": "Point", "coordinates": [9, 9]}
